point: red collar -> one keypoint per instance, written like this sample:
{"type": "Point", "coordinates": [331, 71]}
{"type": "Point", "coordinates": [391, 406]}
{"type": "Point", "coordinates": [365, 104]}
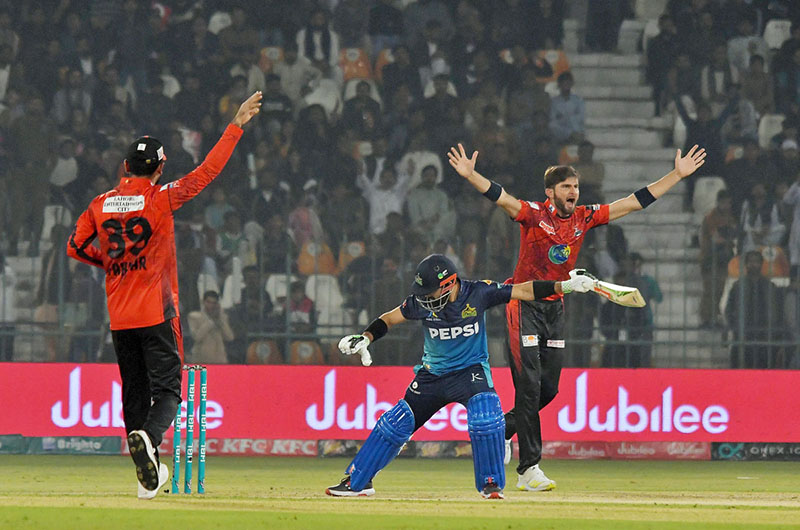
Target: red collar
{"type": "Point", "coordinates": [134, 183]}
{"type": "Point", "coordinates": [551, 209]}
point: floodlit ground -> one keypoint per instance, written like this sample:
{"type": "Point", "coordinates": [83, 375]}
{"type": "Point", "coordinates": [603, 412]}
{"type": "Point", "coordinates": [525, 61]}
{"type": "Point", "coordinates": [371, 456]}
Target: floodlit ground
{"type": "Point", "coordinates": [85, 492]}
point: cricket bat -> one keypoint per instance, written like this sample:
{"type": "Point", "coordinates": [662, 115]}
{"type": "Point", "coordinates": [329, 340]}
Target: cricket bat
{"type": "Point", "coordinates": [620, 294]}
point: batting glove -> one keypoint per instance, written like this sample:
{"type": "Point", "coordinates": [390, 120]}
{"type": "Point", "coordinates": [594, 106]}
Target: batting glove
{"type": "Point", "coordinates": [579, 281]}
{"type": "Point", "coordinates": [352, 344]}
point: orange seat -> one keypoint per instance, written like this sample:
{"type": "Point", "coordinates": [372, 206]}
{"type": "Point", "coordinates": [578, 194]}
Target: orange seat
{"type": "Point", "coordinates": [384, 57]}
{"type": "Point", "coordinates": [269, 57]}
{"type": "Point", "coordinates": [264, 352]}
{"type": "Point", "coordinates": [305, 352]}
{"type": "Point", "coordinates": [776, 265]}
{"type": "Point", "coordinates": [355, 64]}
{"type": "Point", "coordinates": [316, 258]}
{"type": "Point", "coordinates": [350, 251]}
{"type": "Point", "coordinates": [557, 59]}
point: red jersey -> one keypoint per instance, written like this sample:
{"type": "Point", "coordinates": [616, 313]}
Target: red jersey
{"type": "Point", "coordinates": [549, 244]}
{"type": "Point", "coordinates": [134, 226]}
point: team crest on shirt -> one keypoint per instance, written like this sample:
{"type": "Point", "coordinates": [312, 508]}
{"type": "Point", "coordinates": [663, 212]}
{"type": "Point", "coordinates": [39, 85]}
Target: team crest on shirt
{"type": "Point", "coordinates": [469, 311]}
{"type": "Point", "coordinates": [559, 254]}
{"type": "Point", "coordinates": [578, 232]}
{"type": "Point", "coordinates": [547, 228]}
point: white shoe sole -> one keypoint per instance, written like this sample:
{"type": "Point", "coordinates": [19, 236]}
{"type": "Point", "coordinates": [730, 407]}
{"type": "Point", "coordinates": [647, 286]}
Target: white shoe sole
{"type": "Point", "coordinates": [163, 477]}
{"type": "Point", "coordinates": [367, 492]}
{"type": "Point", "coordinates": [541, 486]}
{"type": "Point", "coordinates": [144, 456]}
{"type": "Point", "coordinates": [507, 454]}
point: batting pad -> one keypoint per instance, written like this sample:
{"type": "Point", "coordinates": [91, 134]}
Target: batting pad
{"type": "Point", "coordinates": [487, 427]}
{"type": "Point", "coordinates": [394, 428]}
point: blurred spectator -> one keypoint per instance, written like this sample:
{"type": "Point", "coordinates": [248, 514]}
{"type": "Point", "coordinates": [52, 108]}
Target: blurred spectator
{"type": "Point", "coordinates": [527, 99]}
{"type": "Point", "coordinates": [401, 72]}
{"type": "Point", "coordinates": [210, 331]}
{"type": "Point", "coordinates": [792, 198]}
{"type": "Point", "coordinates": [64, 176]}
{"type": "Point", "coordinates": [752, 314]}
{"type": "Point", "coordinates": [155, 103]}
{"type": "Point", "coordinates": [417, 157]}
{"type": "Point", "coordinates": [717, 240]}
{"type": "Point", "coordinates": [83, 312]}
{"type": "Point", "coordinates": [249, 317]}
{"type": "Point", "coordinates": [418, 14]}
{"type": "Point", "coordinates": [295, 71]}
{"type": "Point", "coordinates": [247, 67]}
{"type": "Point", "coordinates": [757, 86]}
{"type": "Point", "coordinates": [440, 101]}
{"type": "Point", "coordinates": [592, 174]}
{"type": "Point", "coordinates": [278, 251]}
{"type": "Point", "coordinates": [276, 106]}
{"type": "Point", "coordinates": [745, 45]}
{"type": "Point", "coordinates": [760, 221]}
{"type": "Point", "coordinates": [603, 20]}
{"type": "Point", "coordinates": [385, 194]}
{"type": "Point", "coordinates": [231, 241]}
{"type": "Point", "coordinates": [55, 280]}
{"type": "Point", "coordinates": [239, 38]}
{"type": "Point", "coordinates": [191, 103]}
{"type": "Point", "coordinates": [662, 50]}
{"type": "Point", "coordinates": [788, 159]}
{"type": "Point", "coordinates": [716, 79]}
{"type": "Point", "coordinates": [8, 309]}
{"type": "Point", "coordinates": [741, 174]}
{"type": "Point", "coordinates": [11, 73]}
{"type": "Point", "coordinates": [787, 90]}
{"type": "Point", "coordinates": [317, 41]}
{"type": "Point", "coordinates": [302, 313]}
{"type": "Point", "coordinates": [7, 34]}
{"type": "Point", "coordinates": [785, 55]}
{"type": "Point", "coordinates": [512, 23]}
{"type": "Point", "coordinates": [548, 25]}
{"type": "Point", "coordinates": [270, 197]}
{"type": "Point", "coordinates": [385, 26]}
{"type": "Point", "coordinates": [430, 209]}
{"type": "Point", "coordinates": [791, 321]}
{"type": "Point", "coordinates": [567, 112]}
{"type": "Point", "coordinates": [356, 108]}
{"type": "Point", "coordinates": [583, 310]}
{"type": "Point", "coordinates": [215, 212]}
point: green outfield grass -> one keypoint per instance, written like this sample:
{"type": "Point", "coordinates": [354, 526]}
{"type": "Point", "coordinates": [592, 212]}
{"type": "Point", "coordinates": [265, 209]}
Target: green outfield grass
{"type": "Point", "coordinates": [85, 492]}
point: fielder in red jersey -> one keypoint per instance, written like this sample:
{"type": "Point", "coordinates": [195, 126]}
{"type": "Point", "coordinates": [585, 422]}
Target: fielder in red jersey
{"type": "Point", "coordinates": [133, 224]}
{"type": "Point", "coordinates": [551, 235]}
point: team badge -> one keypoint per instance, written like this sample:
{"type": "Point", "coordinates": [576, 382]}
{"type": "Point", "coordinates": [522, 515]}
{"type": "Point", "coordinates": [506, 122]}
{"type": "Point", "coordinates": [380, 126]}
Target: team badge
{"type": "Point", "coordinates": [559, 254]}
{"type": "Point", "coordinates": [469, 311]}
{"type": "Point", "coordinates": [418, 279]}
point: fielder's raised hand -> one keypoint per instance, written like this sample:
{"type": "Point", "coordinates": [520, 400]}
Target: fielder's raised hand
{"type": "Point", "coordinates": [248, 109]}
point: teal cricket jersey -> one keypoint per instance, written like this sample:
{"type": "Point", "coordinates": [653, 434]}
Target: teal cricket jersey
{"type": "Point", "coordinates": [455, 337]}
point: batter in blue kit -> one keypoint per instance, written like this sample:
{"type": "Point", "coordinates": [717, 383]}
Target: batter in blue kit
{"type": "Point", "coordinates": [454, 368]}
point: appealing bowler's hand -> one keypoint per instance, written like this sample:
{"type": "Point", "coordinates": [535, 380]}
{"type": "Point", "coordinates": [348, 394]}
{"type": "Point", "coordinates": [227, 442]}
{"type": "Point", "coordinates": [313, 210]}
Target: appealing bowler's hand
{"type": "Point", "coordinates": [248, 109]}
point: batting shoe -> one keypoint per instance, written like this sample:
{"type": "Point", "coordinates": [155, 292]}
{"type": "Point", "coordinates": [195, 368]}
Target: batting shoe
{"type": "Point", "coordinates": [342, 489]}
{"type": "Point", "coordinates": [163, 477]}
{"type": "Point", "coordinates": [507, 455]}
{"type": "Point", "coordinates": [145, 458]}
{"type": "Point", "coordinates": [492, 491]}
{"type": "Point", "coordinates": [534, 479]}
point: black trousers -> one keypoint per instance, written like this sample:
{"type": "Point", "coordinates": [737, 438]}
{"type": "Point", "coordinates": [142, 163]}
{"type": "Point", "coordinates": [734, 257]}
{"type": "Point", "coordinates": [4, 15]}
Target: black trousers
{"type": "Point", "coordinates": [536, 344]}
{"type": "Point", "coordinates": [150, 362]}
{"type": "Point", "coordinates": [428, 393]}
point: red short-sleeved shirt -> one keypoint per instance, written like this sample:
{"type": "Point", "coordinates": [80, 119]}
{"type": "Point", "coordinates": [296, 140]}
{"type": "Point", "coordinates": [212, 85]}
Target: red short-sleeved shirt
{"type": "Point", "coordinates": [549, 244]}
{"type": "Point", "coordinates": [135, 228]}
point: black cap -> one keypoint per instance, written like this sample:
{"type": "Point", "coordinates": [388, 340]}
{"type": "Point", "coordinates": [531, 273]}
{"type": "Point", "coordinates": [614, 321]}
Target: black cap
{"type": "Point", "coordinates": [144, 155]}
{"type": "Point", "coordinates": [431, 272]}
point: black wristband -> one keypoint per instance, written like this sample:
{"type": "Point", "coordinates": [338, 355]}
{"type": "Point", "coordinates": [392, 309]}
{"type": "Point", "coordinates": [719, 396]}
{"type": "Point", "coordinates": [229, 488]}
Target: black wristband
{"type": "Point", "coordinates": [494, 191]}
{"type": "Point", "coordinates": [377, 328]}
{"type": "Point", "coordinates": [543, 289]}
{"type": "Point", "coordinates": [644, 197]}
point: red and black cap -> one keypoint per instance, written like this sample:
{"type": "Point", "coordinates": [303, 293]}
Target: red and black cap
{"type": "Point", "coordinates": [144, 155]}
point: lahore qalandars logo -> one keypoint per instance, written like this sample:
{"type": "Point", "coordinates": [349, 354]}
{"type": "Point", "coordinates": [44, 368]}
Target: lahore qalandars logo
{"type": "Point", "coordinates": [559, 254]}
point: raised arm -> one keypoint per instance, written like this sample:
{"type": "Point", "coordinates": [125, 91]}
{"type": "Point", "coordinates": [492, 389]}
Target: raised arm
{"type": "Point", "coordinates": [466, 168]}
{"type": "Point", "coordinates": [186, 188]}
{"type": "Point", "coordinates": [684, 166]}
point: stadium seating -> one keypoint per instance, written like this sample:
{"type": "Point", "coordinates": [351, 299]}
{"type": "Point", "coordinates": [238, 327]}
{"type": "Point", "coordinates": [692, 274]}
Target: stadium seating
{"type": "Point", "coordinates": [355, 64]}
{"type": "Point", "coordinates": [269, 57]}
{"type": "Point", "coordinates": [768, 127]}
{"type": "Point", "coordinates": [277, 286]}
{"type": "Point", "coordinates": [777, 31]}
{"type": "Point", "coordinates": [776, 264]}
{"type": "Point", "coordinates": [264, 352]}
{"type": "Point", "coordinates": [350, 251]}
{"type": "Point", "coordinates": [206, 282]}
{"type": "Point", "coordinates": [349, 90]}
{"type": "Point", "coordinates": [650, 31]}
{"type": "Point", "coordinates": [55, 214]}
{"type": "Point", "coordinates": [316, 258]}
{"type": "Point", "coordinates": [384, 57]}
{"type": "Point", "coordinates": [705, 194]}
{"type": "Point", "coordinates": [305, 352]}
{"type": "Point", "coordinates": [557, 59]}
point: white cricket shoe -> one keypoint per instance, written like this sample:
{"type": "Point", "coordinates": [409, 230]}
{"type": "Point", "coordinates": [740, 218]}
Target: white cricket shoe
{"type": "Point", "coordinates": [507, 456]}
{"type": "Point", "coordinates": [534, 479]}
{"type": "Point", "coordinates": [163, 477]}
{"type": "Point", "coordinates": [144, 457]}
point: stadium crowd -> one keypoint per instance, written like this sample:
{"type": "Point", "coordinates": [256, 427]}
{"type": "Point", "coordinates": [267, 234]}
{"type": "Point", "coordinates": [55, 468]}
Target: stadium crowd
{"type": "Point", "coordinates": [339, 188]}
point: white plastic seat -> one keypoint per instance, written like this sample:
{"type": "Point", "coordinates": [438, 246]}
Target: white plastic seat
{"type": "Point", "coordinates": [278, 285]}
{"type": "Point", "coordinates": [206, 282]}
{"type": "Point", "coordinates": [769, 126]}
{"type": "Point", "coordinates": [777, 31]}
{"type": "Point", "coordinates": [705, 194]}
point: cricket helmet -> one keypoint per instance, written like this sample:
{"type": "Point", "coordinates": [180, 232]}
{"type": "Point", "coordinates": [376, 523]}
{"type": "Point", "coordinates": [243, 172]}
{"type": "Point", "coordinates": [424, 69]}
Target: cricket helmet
{"type": "Point", "coordinates": [434, 272]}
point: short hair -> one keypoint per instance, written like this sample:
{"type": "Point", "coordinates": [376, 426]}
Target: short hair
{"type": "Point", "coordinates": [756, 57]}
{"type": "Point", "coordinates": [723, 194]}
{"type": "Point", "coordinates": [430, 166]}
{"type": "Point", "coordinates": [753, 254]}
{"type": "Point", "coordinates": [210, 294]}
{"type": "Point", "coordinates": [565, 76]}
{"type": "Point", "coordinates": [557, 174]}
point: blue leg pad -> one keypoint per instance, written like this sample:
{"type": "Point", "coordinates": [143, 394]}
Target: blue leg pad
{"type": "Point", "coordinates": [487, 427]}
{"type": "Point", "coordinates": [394, 428]}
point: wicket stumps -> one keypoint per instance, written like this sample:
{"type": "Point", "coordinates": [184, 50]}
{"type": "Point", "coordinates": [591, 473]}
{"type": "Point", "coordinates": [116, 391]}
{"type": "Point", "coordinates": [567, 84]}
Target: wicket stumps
{"type": "Point", "coordinates": [176, 442]}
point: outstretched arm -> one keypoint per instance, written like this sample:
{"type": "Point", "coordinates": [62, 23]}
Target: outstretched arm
{"type": "Point", "coordinates": [684, 166]}
{"type": "Point", "coordinates": [579, 282]}
{"type": "Point", "coordinates": [466, 168]}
